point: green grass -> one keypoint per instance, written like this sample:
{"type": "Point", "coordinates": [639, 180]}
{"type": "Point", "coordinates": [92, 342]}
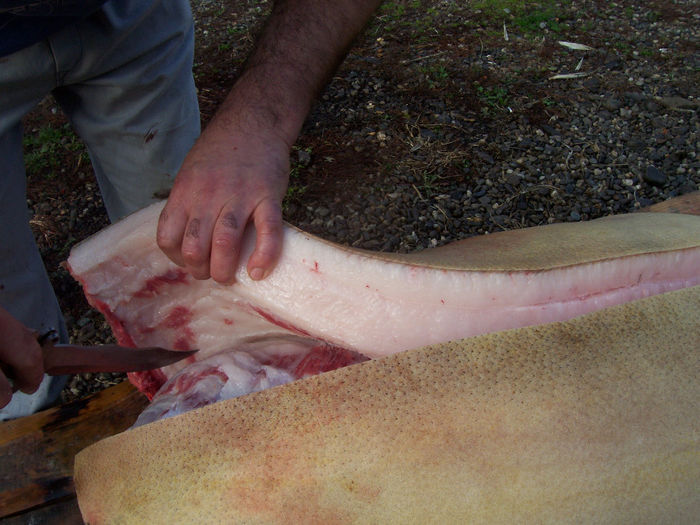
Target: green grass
{"type": "Point", "coordinates": [296, 188]}
{"type": "Point", "coordinates": [538, 20]}
{"type": "Point", "coordinates": [410, 15]}
{"type": "Point", "coordinates": [45, 151]}
{"type": "Point", "coordinates": [436, 75]}
{"type": "Point", "coordinates": [528, 16]}
{"type": "Point", "coordinates": [419, 17]}
{"type": "Point", "coordinates": [495, 97]}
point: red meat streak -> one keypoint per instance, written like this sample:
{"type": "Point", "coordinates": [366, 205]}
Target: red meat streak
{"type": "Point", "coordinates": [116, 324]}
{"type": "Point", "coordinates": [179, 319]}
{"type": "Point", "coordinates": [153, 285]}
{"type": "Point", "coordinates": [150, 381]}
{"type": "Point", "coordinates": [321, 358]}
{"type": "Point", "coordinates": [282, 324]}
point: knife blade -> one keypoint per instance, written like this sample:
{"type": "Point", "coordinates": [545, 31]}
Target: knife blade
{"type": "Point", "coordinates": [60, 359]}
{"type": "Point", "coordinates": [63, 359]}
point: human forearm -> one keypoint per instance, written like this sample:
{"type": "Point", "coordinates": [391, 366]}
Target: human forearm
{"type": "Point", "coordinates": [237, 172]}
{"type": "Point", "coordinates": [299, 49]}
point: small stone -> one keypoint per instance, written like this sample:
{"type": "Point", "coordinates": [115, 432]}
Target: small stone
{"type": "Point", "coordinates": [575, 216]}
{"type": "Point", "coordinates": [679, 103]}
{"type": "Point", "coordinates": [428, 134]}
{"type": "Point", "coordinates": [591, 83]}
{"type": "Point", "coordinates": [550, 130]}
{"type": "Point", "coordinates": [304, 157]}
{"type": "Point", "coordinates": [654, 176]}
{"type": "Point", "coordinates": [612, 104]}
{"type": "Point", "coordinates": [513, 179]}
{"type": "Point", "coordinates": [484, 156]}
{"type": "Point", "coordinates": [634, 96]}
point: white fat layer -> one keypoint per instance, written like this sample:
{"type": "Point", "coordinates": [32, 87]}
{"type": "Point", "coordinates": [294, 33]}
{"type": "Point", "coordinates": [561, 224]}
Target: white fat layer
{"type": "Point", "coordinates": [356, 301]}
{"type": "Point", "coordinates": [381, 307]}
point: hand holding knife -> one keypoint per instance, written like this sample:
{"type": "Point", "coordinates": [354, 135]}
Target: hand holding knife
{"type": "Point", "coordinates": [58, 359]}
{"type": "Point", "coordinates": [62, 359]}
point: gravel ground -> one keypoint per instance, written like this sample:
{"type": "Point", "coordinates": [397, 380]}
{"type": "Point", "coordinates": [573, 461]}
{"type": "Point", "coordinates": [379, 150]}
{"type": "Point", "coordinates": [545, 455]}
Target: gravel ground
{"type": "Point", "coordinates": [437, 127]}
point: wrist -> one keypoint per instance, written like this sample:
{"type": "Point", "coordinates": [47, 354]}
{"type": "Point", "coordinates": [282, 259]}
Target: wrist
{"type": "Point", "coordinates": [265, 103]}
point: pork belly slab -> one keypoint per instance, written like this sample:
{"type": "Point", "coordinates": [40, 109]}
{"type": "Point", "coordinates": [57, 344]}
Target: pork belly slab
{"type": "Point", "coordinates": [343, 305]}
{"type": "Point", "coordinates": [560, 381]}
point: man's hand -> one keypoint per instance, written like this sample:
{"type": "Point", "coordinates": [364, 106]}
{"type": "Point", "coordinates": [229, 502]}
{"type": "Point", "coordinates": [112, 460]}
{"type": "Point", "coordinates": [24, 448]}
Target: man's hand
{"type": "Point", "coordinates": [20, 357]}
{"type": "Point", "coordinates": [228, 178]}
{"type": "Point", "coordinates": [238, 169]}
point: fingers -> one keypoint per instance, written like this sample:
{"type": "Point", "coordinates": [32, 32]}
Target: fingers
{"type": "Point", "coordinates": [268, 242]}
{"type": "Point", "coordinates": [210, 248]}
{"type": "Point", "coordinates": [228, 234]}
{"type": "Point", "coordinates": [21, 358]}
{"type": "Point", "coordinates": [228, 179]}
{"type": "Point", "coordinates": [225, 245]}
{"type": "Point", "coordinates": [171, 228]}
{"type": "Point", "coordinates": [186, 238]}
{"type": "Point", "coordinates": [25, 361]}
{"type": "Point", "coordinates": [196, 245]}
{"type": "Point", "coordinates": [6, 390]}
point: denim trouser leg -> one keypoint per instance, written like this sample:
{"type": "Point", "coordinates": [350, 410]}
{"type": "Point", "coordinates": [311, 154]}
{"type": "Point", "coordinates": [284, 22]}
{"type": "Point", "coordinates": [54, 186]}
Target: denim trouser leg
{"type": "Point", "coordinates": [130, 95]}
{"type": "Point", "coordinates": [124, 78]}
{"type": "Point", "coordinates": [25, 290]}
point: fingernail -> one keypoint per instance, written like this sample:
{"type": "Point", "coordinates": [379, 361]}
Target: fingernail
{"type": "Point", "coordinates": [257, 274]}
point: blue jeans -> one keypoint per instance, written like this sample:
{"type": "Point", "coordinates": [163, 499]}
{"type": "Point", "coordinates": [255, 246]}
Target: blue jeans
{"type": "Point", "coordinates": [123, 77]}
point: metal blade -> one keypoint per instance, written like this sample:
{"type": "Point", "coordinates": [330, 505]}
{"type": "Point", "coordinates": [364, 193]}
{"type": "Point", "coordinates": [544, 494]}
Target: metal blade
{"type": "Point", "coordinates": [73, 359]}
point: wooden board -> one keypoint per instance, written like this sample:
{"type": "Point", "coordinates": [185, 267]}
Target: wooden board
{"type": "Point", "coordinates": [36, 452]}
{"type": "Point", "coordinates": [58, 512]}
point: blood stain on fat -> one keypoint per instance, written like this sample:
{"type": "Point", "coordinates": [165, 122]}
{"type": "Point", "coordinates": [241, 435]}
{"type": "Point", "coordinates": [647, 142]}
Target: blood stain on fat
{"type": "Point", "coordinates": [153, 285]}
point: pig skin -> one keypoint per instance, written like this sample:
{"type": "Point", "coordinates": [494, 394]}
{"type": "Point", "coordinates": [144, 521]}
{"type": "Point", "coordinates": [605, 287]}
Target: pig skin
{"type": "Point", "coordinates": [378, 304]}
{"type": "Point", "coordinates": [591, 420]}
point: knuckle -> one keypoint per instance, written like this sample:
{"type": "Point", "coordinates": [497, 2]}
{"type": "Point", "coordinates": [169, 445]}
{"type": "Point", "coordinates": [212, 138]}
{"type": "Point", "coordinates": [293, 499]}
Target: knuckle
{"type": "Point", "coordinates": [200, 274]}
{"type": "Point", "coordinates": [269, 245]}
{"type": "Point", "coordinates": [222, 275]}
{"type": "Point", "coordinates": [228, 221]}
{"type": "Point", "coordinates": [270, 229]}
{"type": "Point", "coordinates": [194, 228]}
{"type": "Point", "coordinates": [264, 259]}
{"type": "Point", "coordinates": [225, 237]}
{"type": "Point", "coordinates": [194, 256]}
{"type": "Point", "coordinates": [165, 241]}
{"type": "Point", "coordinates": [223, 241]}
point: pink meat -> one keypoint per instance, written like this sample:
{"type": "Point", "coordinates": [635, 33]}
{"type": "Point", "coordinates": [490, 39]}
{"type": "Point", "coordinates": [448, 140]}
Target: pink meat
{"type": "Point", "coordinates": [325, 306]}
{"type": "Point", "coordinates": [249, 368]}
